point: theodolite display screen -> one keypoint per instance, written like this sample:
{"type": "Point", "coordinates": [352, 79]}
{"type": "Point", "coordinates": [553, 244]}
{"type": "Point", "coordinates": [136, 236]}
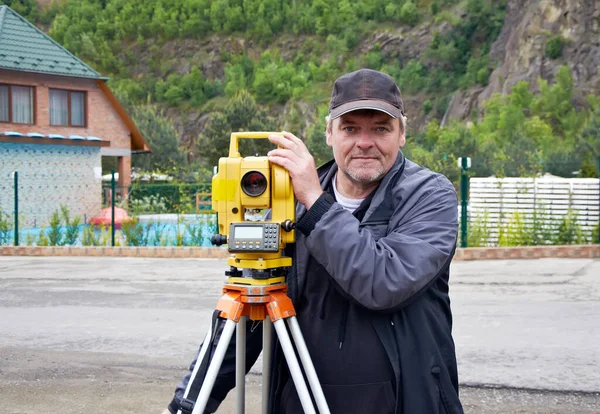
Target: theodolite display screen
{"type": "Point", "coordinates": [248, 232]}
{"type": "Point", "coordinates": [255, 237]}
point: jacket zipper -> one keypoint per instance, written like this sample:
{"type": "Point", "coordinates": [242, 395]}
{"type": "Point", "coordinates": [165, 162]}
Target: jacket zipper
{"type": "Point", "coordinates": [435, 370]}
{"type": "Point", "coordinates": [373, 223]}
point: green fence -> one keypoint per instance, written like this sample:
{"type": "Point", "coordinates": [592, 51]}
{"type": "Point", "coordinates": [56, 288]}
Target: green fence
{"type": "Point", "coordinates": [156, 214]}
{"type": "Point", "coordinates": [180, 214]}
{"type": "Point", "coordinates": [169, 198]}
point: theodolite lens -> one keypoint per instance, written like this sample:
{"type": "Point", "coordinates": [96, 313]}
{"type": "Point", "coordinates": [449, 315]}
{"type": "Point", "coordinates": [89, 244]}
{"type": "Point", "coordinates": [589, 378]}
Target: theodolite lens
{"type": "Point", "coordinates": [254, 183]}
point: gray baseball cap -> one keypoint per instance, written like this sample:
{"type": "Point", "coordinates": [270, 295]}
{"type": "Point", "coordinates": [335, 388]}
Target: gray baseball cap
{"type": "Point", "coordinates": [365, 89]}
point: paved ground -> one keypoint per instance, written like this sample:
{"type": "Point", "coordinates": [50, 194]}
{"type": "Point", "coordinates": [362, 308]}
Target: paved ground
{"type": "Point", "coordinates": [113, 335]}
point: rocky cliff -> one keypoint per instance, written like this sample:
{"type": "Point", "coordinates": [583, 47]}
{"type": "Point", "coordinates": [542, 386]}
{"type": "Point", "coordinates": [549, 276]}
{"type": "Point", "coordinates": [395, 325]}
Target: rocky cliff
{"type": "Point", "coordinates": [520, 51]}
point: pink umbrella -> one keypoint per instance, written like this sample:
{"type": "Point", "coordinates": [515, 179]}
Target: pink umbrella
{"type": "Point", "coordinates": [103, 218]}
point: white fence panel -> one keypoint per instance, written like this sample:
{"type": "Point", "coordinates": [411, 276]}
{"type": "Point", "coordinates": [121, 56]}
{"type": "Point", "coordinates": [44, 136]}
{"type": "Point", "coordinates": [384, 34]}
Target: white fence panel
{"type": "Point", "coordinates": [500, 198]}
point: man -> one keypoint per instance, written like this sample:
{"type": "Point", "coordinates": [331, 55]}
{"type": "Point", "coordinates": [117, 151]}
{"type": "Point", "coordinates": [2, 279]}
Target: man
{"type": "Point", "coordinates": [375, 237]}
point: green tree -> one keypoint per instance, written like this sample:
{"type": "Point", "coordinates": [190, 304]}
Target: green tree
{"type": "Point", "coordinates": [161, 136]}
{"type": "Point", "coordinates": [193, 85]}
{"type": "Point", "coordinates": [26, 8]}
{"type": "Point", "coordinates": [409, 13]}
{"type": "Point", "coordinates": [174, 95]}
{"type": "Point", "coordinates": [555, 105]}
{"type": "Point", "coordinates": [316, 140]}
{"type": "Point", "coordinates": [240, 114]}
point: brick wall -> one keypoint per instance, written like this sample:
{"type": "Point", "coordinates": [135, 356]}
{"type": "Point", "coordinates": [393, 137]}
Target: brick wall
{"type": "Point", "coordinates": [102, 120]}
{"type": "Point", "coordinates": [586, 251]}
{"type": "Point", "coordinates": [483, 253]}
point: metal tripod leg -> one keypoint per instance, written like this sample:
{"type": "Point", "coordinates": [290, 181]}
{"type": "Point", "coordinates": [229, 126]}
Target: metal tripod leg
{"type": "Point", "coordinates": [294, 367]}
{"type": "Point", "coordinates": [279, 307]}
{"type": "Point", "coordinates": [309, 368]}
{"type": "Point", "coordinates": [267, 358]}
{"type": "Point", "coordinates": [213, 367]}
{"type": "Point", "coordinates": [205, 345]}
{"type": "Point", "coordinates": [240, 366]}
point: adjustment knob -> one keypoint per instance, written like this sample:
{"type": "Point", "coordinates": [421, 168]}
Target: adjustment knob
{"type": "Point", "coordinates": [288, 225]}
{"type": "Point", "coordinates": [218, 239]}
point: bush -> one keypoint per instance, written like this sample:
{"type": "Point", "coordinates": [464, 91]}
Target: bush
{"type": "Point", "coordinates": [136, 234]}
{"type": "Point", "coordinates": [515, 233]}
{"type": "Point", "coordinates": [408, 13]}
{"type": "Point", "coordinates": [55, 234]}
{"type": "Point", "coordinates": [483, 76]}
{"type": "Point", "coordinates": [90, 237]}
{"type": "Point", "coordinates": [479, 231]}
{"type": "Point", "coordinates": [5, 228]}
{"type": "Point", "coordinates": [153, 203]}
{"type": "Point", "coordinates": [554, 47]}
{"type": "Point", "coordinates": [569, 231]}
{"type": "Point", "coordinates": [427, 106]}
{"type": "Point", "coordinates": [71, 226]}
{"type": "Point", "coordinates": [174, 95]}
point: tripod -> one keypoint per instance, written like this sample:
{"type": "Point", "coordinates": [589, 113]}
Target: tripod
{"type": "Point", "coordinates": [259, 301]}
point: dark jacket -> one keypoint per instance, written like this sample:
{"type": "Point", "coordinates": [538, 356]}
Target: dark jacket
{"type": "Point", "coordinates": [395, 263]}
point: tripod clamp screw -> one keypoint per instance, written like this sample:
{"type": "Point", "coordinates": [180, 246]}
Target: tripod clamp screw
{"type": "Point", "coordinates": [233, 272]}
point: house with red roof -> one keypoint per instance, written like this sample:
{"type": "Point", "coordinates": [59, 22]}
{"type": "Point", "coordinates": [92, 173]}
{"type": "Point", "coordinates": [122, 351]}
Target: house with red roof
{"type": "Point", "coordinates": [58, 119]}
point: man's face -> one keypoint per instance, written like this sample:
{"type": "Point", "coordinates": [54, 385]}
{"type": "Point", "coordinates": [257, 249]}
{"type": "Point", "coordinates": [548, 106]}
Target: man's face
{"type": "Point", "coordinates": [365, 144]}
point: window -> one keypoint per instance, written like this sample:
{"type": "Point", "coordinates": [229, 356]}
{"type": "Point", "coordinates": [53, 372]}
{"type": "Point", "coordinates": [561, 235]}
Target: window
{"type": "Point", "coordinates": [16, 104]}
{"type": "Point", "coordinates": [67, 108]}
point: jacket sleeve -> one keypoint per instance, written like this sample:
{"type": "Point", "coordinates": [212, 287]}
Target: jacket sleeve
{"type": "Point", "coordinates": [385, 274]}
{"type": "Point", "coordinates": [225, 380]}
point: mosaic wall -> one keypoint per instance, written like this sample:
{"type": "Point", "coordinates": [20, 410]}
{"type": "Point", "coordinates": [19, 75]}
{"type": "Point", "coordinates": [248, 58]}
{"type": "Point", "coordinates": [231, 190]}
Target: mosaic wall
{"type": "Point", "coordinates": [50, 175]}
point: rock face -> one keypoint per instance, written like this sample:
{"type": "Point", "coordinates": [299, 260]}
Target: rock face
{"type": "Point", "coordinates": [520, 50]}
{"type": "Point", "coordinates": [519, 53]}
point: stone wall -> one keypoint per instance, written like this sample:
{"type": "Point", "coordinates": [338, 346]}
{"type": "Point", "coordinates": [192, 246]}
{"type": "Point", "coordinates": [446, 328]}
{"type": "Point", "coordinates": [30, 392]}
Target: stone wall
{"type": "Point", "coordinates": [50, 175]}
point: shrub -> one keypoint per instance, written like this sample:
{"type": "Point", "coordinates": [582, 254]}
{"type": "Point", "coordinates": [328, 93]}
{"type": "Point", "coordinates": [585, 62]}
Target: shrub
{"type": "Point", "coordinates": [478, 230]}
{"type": "Point", "coordinates": [483, 76]}
{"type": "Point", "coordinates": [409, 13]}
{"type": "Point", "coordinates": [71, 226]}
{"type": "Point", "coordinates": [515, 233]}
{"type": "Point", "coordinates": [174, 95]}
{"type": "Point", "coordinates": [153, 203]}
{"type": "Point", "coordinates": [5, 228]}
{"type": "Point", "coordinates": [554, 47]}
{"type": "Point", "coordinates": [427, 106]}
{"type": "Point", "coordinates": [90, 237]}
{"type": "Point", "coordinates": [568, 230]}
{"type": "Point", "coordinates": [42, 239]}
{"type": "Point", "coordinates": [55, 234]}
{"type": "Point", "coordinates": [136, 234]}
{"type": "Point", "coordinates": [196, 234]}
{"type": "Point", "coordinates": [159, 238]}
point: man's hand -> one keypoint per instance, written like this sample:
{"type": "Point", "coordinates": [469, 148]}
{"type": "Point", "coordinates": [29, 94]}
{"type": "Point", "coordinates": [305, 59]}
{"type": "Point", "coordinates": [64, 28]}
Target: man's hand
{"type": "Point", "coordinates": [293, 155]}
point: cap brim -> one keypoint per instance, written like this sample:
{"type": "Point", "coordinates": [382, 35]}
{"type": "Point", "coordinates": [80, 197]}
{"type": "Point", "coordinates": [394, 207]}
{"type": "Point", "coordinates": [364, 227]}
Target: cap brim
{"type": "Point", "coordinates": [375, 105]}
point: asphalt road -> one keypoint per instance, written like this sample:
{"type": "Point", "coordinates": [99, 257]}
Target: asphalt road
{"type": "Point", "coordinates": [113, 335]}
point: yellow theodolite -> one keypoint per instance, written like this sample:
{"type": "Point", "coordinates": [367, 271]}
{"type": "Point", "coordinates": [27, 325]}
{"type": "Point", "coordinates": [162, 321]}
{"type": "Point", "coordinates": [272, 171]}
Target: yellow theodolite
{"type": "Point", "coordinates": [255, 204]}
